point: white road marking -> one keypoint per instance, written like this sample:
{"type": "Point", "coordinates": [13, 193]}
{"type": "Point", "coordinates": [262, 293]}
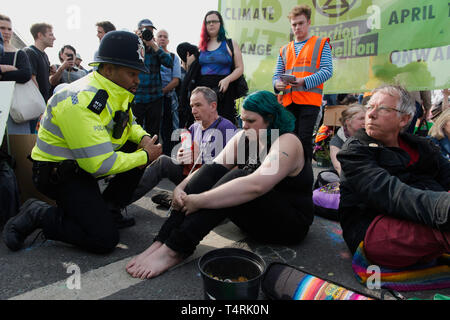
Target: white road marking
{"type": "Point", "coordinates": [107, 280]}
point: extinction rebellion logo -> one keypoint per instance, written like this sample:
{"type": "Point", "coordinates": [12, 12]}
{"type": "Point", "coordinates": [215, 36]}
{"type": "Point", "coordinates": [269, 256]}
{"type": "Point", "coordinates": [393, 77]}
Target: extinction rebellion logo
{"type": "Point", "coordinates": [348, 39]}
{"type": "Point", "coordinates": [333, 8]}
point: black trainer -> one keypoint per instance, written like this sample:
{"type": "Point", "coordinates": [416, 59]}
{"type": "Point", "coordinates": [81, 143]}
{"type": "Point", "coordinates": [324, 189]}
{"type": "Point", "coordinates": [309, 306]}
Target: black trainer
{"type": "Point", "coordinates": [19, 227]}
{"type": "Point", "coordinates": [163, 198]}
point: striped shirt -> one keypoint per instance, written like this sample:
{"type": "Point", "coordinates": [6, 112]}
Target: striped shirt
{"type": "Point", "coordinates": [314, 80]}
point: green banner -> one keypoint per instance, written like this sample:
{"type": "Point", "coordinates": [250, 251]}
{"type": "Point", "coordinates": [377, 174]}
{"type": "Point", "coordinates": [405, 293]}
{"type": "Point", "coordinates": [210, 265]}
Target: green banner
{"type": "Point", "coordinates": [373, 41]}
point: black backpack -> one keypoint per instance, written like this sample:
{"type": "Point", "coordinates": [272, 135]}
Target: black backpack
{"type": "Point", "coordinates": [9, 189]}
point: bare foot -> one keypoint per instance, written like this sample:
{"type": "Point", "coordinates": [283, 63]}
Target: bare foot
{"type": "Point", "coordinates": [156, 245]}
{"type": "Point", "coordinates": [157, 263]}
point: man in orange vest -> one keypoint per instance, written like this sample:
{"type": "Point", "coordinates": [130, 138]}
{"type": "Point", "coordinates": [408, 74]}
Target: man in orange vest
{"type": "Point", "coordinates": [302, 68]}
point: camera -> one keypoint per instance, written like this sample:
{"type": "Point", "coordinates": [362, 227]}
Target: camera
{"type": "Point", "coordinates": [70, 55]}
{"type": "Point", "coordinates": [147, 34]}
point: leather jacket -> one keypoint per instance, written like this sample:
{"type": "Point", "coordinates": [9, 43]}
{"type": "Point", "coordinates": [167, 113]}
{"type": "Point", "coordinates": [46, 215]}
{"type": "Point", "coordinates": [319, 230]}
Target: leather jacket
{"type": "Point", "coordinates": [377, 180]}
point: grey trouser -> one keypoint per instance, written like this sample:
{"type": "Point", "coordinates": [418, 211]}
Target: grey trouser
{"type": "Point", "coordinates": [163, 167]}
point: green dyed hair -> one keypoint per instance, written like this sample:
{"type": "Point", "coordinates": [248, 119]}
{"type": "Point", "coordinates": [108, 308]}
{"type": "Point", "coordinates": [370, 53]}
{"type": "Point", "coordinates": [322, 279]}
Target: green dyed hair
{"type": "Point", "coordinates": [266, 104]}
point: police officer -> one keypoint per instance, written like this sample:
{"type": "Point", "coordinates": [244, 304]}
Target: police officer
{"type": "Point", "coordinates": [89, 132]}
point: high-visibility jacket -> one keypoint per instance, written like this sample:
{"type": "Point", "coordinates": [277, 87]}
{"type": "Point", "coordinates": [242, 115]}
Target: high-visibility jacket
{"type": "Point", "coordinates": [78, 125]}
{"type": "Point", "coordinates": [301, 66]}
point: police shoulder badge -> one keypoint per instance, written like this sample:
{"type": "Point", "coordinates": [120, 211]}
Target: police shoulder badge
{"type": "Point", "coordinates": [98, 104]}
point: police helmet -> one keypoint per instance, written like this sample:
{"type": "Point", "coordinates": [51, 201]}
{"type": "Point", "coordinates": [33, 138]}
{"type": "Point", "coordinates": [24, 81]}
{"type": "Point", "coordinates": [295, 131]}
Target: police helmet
{"type": "Point", "coordinates": [121, 48]}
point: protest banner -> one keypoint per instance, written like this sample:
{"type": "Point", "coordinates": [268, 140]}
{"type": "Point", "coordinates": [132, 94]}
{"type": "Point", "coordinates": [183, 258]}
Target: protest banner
{"type": "Point", "coordinates": [373, 41]}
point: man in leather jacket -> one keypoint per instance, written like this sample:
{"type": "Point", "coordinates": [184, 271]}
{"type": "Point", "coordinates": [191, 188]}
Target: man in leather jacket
{"type": "Point", "coordinates": [394, 187]}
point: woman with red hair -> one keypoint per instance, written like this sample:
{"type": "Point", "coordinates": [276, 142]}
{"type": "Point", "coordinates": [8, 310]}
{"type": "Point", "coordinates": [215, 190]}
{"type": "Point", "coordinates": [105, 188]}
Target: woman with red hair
{"type": "Point", "coordinates": [216, 61]}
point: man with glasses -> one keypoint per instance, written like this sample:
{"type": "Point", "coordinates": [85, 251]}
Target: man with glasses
{"type": "Point", "coordinates": [394, 187]}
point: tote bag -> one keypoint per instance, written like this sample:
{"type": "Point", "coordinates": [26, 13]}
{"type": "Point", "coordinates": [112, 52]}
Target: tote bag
{"type": "Point", "coordinates": [28, 103]}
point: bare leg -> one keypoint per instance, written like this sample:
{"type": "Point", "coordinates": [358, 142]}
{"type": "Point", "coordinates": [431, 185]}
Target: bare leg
{"type": "Point", "coordinates": [156, 263]}
{"type": "Point", "coordinates": [140, 258]}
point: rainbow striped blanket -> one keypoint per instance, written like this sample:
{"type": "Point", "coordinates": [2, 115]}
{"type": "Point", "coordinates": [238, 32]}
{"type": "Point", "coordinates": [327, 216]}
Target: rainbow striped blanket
{"type": "Point", "coordinates": [432, 276]}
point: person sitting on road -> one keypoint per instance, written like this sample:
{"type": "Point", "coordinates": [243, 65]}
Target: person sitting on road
{"type": "Point", "coordinates": [440, 133]}
{"type": "Point", "coordinates": [250, 193]}
{"type": "Point", "coordinates": [327, 194]}
{"type": "Point", "coordinates": [210, 133]}
{"type": "Point", "coordinates": [352, 120]}
{"type": "Point", "coordinates": [394, 187]}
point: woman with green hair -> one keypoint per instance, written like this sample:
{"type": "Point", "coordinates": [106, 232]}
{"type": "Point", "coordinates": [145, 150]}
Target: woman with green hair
{"type": "Point", "coordinates": [260, 181]}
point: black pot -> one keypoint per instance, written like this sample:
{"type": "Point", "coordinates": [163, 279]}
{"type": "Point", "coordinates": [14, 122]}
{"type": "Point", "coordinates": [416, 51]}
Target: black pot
{"type": "Point", "coordinates": [230, 264]}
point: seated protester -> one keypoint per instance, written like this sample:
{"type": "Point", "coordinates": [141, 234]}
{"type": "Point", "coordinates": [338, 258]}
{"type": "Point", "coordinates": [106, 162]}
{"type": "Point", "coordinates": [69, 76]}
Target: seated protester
{"type": "Point", "coordinates": [394, 187]}
{"type": "Point", "coordinates": [250, 196]}
{"type": "Point", "coordinates": [352, 120]}
{"type": "Point", "coordinates": [326, 195]}
{"type": "Point", "coordinates": [440, 133]}
{"type": "Point", "coordinates": [67, 72]}
{"type": "Point", "coordinates": [210, 134]}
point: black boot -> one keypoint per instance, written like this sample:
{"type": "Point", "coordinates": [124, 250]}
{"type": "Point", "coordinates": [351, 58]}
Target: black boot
{"type": "Point", "coordinates": [121, 221]}
{"type": "Point", "coordinates": [29, 218]}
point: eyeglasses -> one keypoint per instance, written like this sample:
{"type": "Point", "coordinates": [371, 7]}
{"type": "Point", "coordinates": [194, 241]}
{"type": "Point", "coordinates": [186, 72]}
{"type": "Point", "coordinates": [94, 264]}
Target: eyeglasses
{"type": "Point", "coordinates": [382, 109]}
{"type": "Point", "coordinates": [212, 21]}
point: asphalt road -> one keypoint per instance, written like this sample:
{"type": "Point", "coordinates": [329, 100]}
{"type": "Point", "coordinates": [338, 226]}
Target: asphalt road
{"type": "Point", "coordinates": [49, 270]}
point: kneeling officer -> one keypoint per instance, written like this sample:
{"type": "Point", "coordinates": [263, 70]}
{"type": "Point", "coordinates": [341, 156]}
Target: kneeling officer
{"type": "Point", "coordinates": [88, 132]}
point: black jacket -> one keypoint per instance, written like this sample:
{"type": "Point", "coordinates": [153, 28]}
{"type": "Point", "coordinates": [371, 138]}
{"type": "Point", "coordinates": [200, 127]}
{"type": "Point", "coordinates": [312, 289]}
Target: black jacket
{"type": "Point", "coordinates": [376, 180]}
{"type": "Point", "coordinates": [190, 82]}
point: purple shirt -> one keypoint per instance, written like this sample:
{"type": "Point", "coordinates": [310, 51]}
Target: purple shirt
{"type": "Point", "coordinates": [212, 140]}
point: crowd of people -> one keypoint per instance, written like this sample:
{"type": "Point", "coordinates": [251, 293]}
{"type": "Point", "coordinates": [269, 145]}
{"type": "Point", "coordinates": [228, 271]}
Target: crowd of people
{"type": "Point", "coordinates": [119, 119]}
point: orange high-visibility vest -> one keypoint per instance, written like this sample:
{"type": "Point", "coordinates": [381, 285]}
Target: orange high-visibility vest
{"type": "Point", "coordinates": [306, 64]}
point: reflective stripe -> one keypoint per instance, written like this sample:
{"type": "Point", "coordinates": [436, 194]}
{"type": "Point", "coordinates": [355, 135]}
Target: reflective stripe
{"type": "Point", "coordinates": [305, 69]}
{"type": "Point", "coordinates": [284, 54]}
{"type": "Point", "coordinates": [302, 89]}
{"type": "Point", "coordinates": [110, 127]}
{"type": "Point", "coordinates": [82, 153]}
{"type": "Point", "coordinates": [46, 123]}
{"type": "Point", "coordinates": [110, 110]}
{"type": "Point", "coordinates": [316, 53]}
{"type": "Point", "coordinates": [106, 166]}
{"type": "Point", "coordinates": [314, 59]}
{"type": "Point", "coordinates": [93, 151]}
{"type": "Point", "coordinates": [54, 150]}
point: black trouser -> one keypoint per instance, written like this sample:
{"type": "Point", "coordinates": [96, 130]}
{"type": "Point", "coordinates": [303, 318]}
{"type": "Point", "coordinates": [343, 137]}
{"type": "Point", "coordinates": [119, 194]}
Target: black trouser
{"type": "Point", "coordinates": [268, 218]}
{"type": "Point", "coordinates": [82, 216]}
{"type": "Point", "coordinates": [148, 115]}
{"type": "Point", "coordinates": [306, 117]}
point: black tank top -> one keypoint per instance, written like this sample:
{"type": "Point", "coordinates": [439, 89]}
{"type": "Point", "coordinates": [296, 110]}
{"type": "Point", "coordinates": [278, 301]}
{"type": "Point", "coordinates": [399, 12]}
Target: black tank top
{"type": "Point", "coordinates": [297, 190]}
